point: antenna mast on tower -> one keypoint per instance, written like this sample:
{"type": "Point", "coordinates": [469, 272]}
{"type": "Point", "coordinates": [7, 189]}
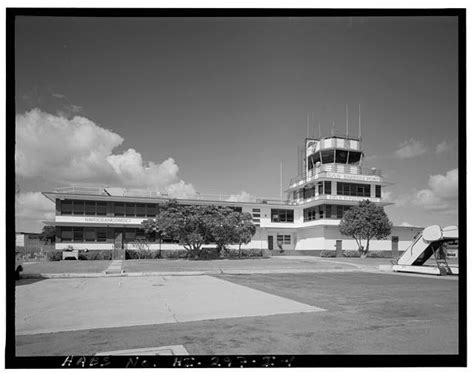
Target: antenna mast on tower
{"type": "Point", "coordinates": [360, 132]}
{"type": "Point", "coordinates": [307, 125]}
{"type": "Point", "coordinates": [347, 122]}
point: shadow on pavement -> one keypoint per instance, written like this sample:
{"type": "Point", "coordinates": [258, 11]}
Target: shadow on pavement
{"type": "Point", "coordinates": [27, 281]}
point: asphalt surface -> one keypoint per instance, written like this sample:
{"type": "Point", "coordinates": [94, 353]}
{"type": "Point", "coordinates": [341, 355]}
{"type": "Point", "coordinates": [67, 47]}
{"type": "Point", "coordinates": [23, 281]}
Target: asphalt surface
{"type": "Point", "coordinates": [364, 313]}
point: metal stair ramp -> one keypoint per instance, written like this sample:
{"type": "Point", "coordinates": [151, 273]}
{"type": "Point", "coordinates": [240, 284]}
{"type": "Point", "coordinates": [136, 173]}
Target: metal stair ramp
{"type": "Point", "coordinates": [426, 244]}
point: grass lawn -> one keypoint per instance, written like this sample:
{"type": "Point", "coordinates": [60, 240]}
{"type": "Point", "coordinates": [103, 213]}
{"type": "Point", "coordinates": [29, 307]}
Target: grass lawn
{"type": "Point", "coordinates": [164, 265]}
{"type": "Point", "coordinates": [69, 266]}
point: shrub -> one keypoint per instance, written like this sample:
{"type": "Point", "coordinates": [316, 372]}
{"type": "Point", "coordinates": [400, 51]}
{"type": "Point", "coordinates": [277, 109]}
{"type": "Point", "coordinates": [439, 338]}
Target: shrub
{"type": "Point", "coordinates": [209, 254]}
{"type": "Point", "coordinates": [54, 255]}
{"type": "Point", "coordinates": [379, 254]}
{"type": "Point", "coordinates": [351, 253]}
{"type": "Point", "coordinates": [326, 253]}
{"type": "Point", "coordinates": [247, 253]}
{"type": "Point", "coordinates": [95, 255]}
{"type": "Point", "coordinates": [181, 253]}
{"type": "Point", "coordinates": [142, 254]}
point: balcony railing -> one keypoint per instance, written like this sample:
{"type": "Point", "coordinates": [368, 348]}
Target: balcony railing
{"type": "Point", "coordinates": [335, 168]}
{"type": "Point", "coordinates": [123, 192]}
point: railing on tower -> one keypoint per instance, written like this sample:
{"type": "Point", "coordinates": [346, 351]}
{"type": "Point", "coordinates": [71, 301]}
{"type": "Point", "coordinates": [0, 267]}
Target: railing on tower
{"type": "Point", "coordinates": [335, 168]}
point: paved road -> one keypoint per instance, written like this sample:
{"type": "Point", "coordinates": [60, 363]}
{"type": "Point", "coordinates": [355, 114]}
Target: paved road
{"type": "Point", "coordinates": [327, 313]}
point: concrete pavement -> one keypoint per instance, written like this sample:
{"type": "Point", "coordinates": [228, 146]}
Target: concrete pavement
{"type": "Point", "coordinates": [54, 305]}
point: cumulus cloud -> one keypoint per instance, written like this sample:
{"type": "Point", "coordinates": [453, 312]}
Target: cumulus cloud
{"type": "Point", "coordinates": [410, 148]}
{"type": "Point", "coordinates": [442, 147]}
{"type": "Point", "coordinates": [242, 197]}
{"type": "Point", "coordinates": [31, 208]}
{"type": "Point", "coordinates": [78, 151]}
{"type": "Point", "coordinates": [442, 194]}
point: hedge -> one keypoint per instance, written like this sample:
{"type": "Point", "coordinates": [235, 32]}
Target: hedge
{"type": "Point", "coordinates": [95, 255]}
{"type": "Point", "coordinates": [355, 253]}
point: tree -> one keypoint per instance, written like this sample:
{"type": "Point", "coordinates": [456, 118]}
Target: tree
{"type": "Point", "coordinates": [48, 234]}
{"type": "Point", "coordinates": [244, 229]}
{"type": "Point", "coordinates": [188, 224]}
{"type": "Point", "coordinates": [194, 226]}
{"type": "Point", "coordinates": [221, 228]}
{"type": "Point", "coordinates": [365, 222]}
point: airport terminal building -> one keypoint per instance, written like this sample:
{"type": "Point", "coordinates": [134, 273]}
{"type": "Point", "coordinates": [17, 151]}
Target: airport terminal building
{"type": "Point", "coordinates": [331, 179]}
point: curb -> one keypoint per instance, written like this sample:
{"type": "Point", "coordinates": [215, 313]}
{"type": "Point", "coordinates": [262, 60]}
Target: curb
{"type": "Point", "coordinates": [184, 273]}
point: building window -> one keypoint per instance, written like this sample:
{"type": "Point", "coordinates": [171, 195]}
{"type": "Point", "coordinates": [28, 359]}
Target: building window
{"type": "Point", "coordinates": [341, 157]}
{"type": "Point", "coordinates": [101, 208]}
{"type": "Point", "coordinates": [256, 210]}
{"type": "Point", "coordinates": [130, 210]}
{"type": "Point", "coordinates": [327, 157]}
{"type": "Point", "coordinates": [90, 208]}
{"type": "Point", "coordinates": [320, 188]}
{"type": "Point", "coordinates": [309, 192]}
{"type": "Point", "coordinates": [130, 235]}
{"type": "Point", "coordinates": [284, 239]}
{"type": "Point", "coordinates": [66, 207]}
{"type": "Point", "coordinates": [66, 234]}
{"type": "Point", "coordinates": [282, 215]}
{"type": "Point", "coordinates": [313, 161]}
{"type": "Point", "coordinates": [78, 234]}
{"type": "Point", "coordinates": [327, 187]}
{"type": "Point", "coordinates": [378, 191]}
{"type": "Point", "coordinates": [339, 211]}
{"type": "Point", "coordinates": [353, 189]}
{"type": "Point", "coordinates": [309, 214]}
{"type": "Point", "coordinates": [140, 210]}
{"type": "Point", "coordinates": [151, 210]}
{"type": "Point", "coordinates": [354, 158]}
{"type": "Point", "coordinates": [328, 211]}
{"type": "Point", "coordinates": [140, 235]}
{"type": "Point", "coordinates": [78, 207]}
{"type": "Point", "coordinates": [255, 215]}
{"type": "Point", "coordinates": [89, 234]}
{"type": "Point", "coordinates": [119, 209]}
{"type": "Point", "coordinates": [101, 235]}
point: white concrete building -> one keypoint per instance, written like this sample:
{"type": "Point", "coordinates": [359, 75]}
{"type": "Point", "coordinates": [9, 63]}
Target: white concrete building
{"type": "Point", "coordinates": [331, 179]}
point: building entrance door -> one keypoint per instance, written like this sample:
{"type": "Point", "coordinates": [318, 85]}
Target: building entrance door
{"type": "Point", "coordinates": [338, 248]}
{"type": "Point", "coordinates": [118, 252]}
{"type": "Point", "coordinates": [395, 246]}
{"type": "Point", "coordinates": [270, 242]}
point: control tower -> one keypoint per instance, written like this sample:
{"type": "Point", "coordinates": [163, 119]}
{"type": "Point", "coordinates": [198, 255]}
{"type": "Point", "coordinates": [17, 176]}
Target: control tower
{"type": "Point", "coordinates": [332, 178]}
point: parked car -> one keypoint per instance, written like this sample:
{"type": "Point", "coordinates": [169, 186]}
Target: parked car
{"type": "Point", "coordinates": [18, 265]}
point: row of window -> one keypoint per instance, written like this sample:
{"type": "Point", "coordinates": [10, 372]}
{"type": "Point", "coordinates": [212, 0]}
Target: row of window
{"type": "Point", "coordinates": [353, 189]}
{"type": "Point", "coordinates": [345, 189]}
{"type": "Point", "coordinates": [333, 155]}
{"type": "Point", "coordinates": [282, 215]}
{"type": "Point", "coordinates": [324, 188]}
{"type": "Point", "coordinates": [99, 234]}
{"type": "Point", "coordinates": [119, 209]}
{"type": "Point", "coordinates": [325, 211]}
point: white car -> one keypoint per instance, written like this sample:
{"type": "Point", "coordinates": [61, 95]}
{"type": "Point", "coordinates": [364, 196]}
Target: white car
{"type": "Point", "coordinates": [18, 265]}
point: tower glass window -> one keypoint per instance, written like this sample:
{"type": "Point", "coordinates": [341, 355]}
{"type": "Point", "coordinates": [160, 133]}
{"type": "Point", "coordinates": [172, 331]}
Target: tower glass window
{"type": "Point", "coordinates": [354, 158]}
{"type": "Point", "coordinates": [341, 157]}
{"type": "Point", "coordinates": [327, 156]}
{"type": "Point", "coordinates": [378, 191]}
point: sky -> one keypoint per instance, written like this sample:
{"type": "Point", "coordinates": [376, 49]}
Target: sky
{"type": "Point", "coordinates": [214, 105]}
